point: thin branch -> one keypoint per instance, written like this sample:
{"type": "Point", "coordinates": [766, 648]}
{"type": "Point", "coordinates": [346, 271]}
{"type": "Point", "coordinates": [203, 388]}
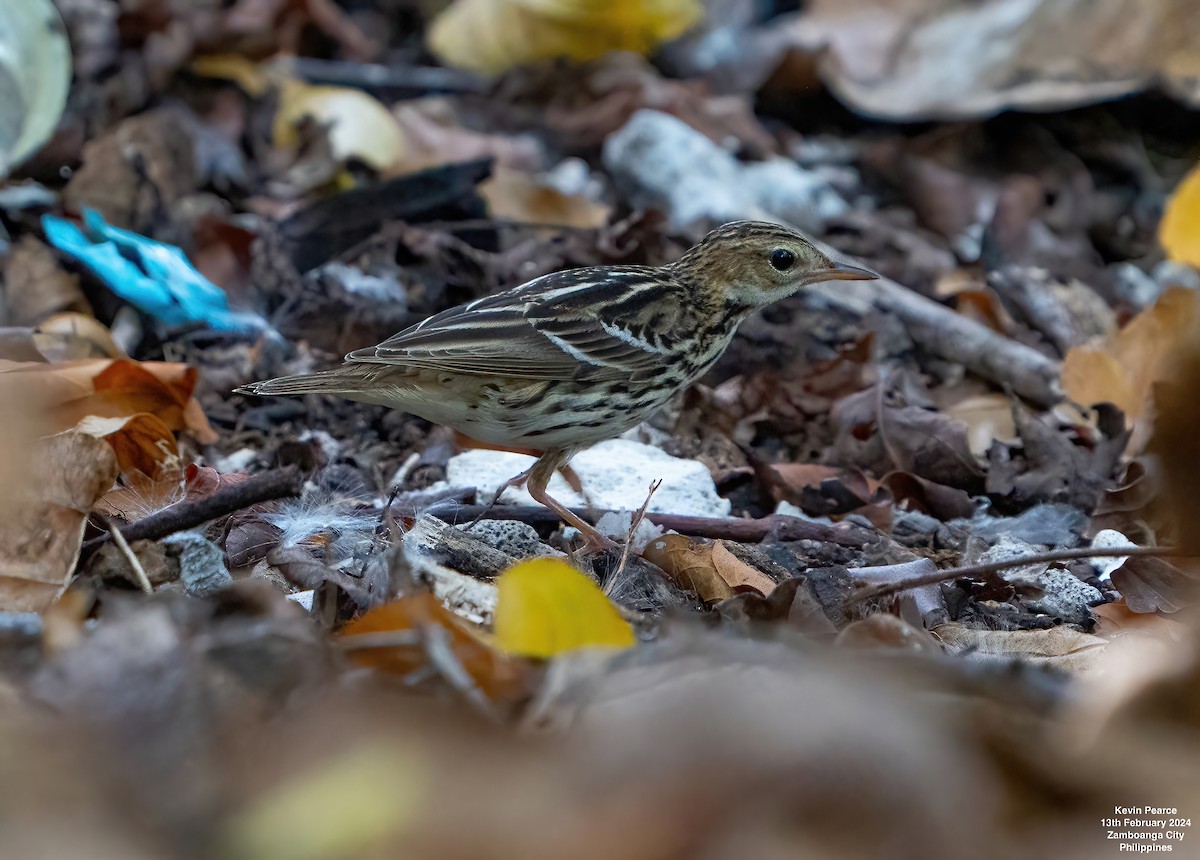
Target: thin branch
{"type": "Point", "coordinates": [184, 515]}
{"type": "Point", "coordinates": [890, 588]}
{"type": "Point", "coordinates": [776, 526]}
{"type": "Point", "coordinates": [634, 522]}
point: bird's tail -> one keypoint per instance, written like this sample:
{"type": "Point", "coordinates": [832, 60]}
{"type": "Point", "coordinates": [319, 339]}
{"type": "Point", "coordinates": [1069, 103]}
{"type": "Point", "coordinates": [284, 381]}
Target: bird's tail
{"type": "Point", "coordinates": [345, 381]}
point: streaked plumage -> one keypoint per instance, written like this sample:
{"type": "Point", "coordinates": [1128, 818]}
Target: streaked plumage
{"type": "Point", "coordinates": [572, 358]}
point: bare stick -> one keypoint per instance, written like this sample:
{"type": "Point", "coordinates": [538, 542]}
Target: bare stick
{"type": "Point", "coordinates": [184, 515]}
{"type": "Point", "coordinates": [634, 522]}
{"type": "Point", "coordinates": [775, 526]}
{"type": "Point", "coordinates": [891, 588]}
{"type": "Point", "coordinates": [953, 336]}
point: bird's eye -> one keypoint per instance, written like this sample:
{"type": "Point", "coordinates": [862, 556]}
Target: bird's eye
{"type": "Point", "coordinates": [782, 259]}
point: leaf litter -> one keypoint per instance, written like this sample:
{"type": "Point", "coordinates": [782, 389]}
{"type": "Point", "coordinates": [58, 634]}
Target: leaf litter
{"type": "Point", "coordinates": [331, 663]}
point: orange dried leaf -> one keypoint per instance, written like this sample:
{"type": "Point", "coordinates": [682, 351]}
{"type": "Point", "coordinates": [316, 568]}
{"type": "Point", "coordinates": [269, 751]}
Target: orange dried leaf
{"type": "Point", "coordinates": [142, 442]}
{"type": "Point", "coordinates": [498, 675]}
{"type": "Point", "coordinates": [67, 392]}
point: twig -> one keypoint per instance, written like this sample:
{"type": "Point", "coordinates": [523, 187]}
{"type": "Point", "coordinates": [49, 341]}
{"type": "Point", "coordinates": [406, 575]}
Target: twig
{"type": "Point", "coordinates": [184, 515]}
{"type": "Point", "coordinates": [776, 526]}
{"type": "Point", "coordinates": [139, 572]}
{"type": "Point", "coordinates": [634, 522]}
{"type": "Point", "coordinates": [891, 588]}
{"type": "Point", "coordinates": [953, 336]}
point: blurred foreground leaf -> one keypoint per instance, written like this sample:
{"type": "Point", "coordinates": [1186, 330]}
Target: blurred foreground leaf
{"type": "Point", "coordinates": [35, 74]}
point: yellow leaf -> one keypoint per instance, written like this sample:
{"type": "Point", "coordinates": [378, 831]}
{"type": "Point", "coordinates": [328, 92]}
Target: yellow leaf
{"type": "Point", "coordinates": [247, 74]}
{"type": "Point", "coordinates": [364, 796]}
{"type": "Point", "coordinates": [546, 607]}
{"type": "Point", "coordinates": [359, 126]}
{"type": "Point", "coordinates": [1179, 230]}
{"type": "Point", "coordinates": [496, 35]}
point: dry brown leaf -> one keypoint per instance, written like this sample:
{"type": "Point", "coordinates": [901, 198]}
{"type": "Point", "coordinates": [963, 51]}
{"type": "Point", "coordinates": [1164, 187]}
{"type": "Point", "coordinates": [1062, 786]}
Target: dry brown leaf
{"type": "Point", "coordinates": [517, 196]}
{"type": "Point", "coordinates": [708, 569]}
{"type": "Point", "coordinates": [50, 486]}
{"type": "Point", "coordinates": [496, 35]}
{"type": "Point", "coordinates": [36, 286]}
{"type": "Point", "coordinates": [925, 59]}
{"type": "Point", "coordinates": [1063, 647]}
{"type": "Point", "coordinates": [1123, 368]}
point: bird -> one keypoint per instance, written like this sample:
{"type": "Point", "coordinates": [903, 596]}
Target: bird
{"type": "Point", "coordinates": [575, 357]}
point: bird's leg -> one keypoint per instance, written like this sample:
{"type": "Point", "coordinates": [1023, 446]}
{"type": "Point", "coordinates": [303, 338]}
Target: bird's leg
{"type": "Point", "coordinates": [539, 477]}
{"type": "Point", "coordinates": [511, 482]}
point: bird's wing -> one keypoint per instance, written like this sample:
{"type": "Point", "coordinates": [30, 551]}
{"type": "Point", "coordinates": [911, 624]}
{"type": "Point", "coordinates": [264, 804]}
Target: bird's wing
{"type": "Point", "coordinates": [583, 322]}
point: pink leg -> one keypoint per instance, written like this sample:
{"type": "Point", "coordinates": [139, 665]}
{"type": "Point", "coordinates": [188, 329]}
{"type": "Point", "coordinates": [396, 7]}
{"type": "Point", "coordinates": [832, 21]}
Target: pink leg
{"type": "Point", "coordinates": [539, 477]}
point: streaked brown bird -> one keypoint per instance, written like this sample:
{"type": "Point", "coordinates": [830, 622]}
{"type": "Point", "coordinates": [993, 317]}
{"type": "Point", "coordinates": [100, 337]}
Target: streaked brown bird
{"type": "Point", "coordinates": [576, 357]}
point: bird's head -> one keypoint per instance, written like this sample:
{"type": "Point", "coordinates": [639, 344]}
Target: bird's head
{"type": "Point", "coordinates": [754, 263]}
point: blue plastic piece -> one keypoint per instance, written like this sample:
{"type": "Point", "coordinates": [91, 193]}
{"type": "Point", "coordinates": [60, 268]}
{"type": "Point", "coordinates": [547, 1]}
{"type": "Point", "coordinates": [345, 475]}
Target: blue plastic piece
{"type": "Point", "coordinates": [158, 279]}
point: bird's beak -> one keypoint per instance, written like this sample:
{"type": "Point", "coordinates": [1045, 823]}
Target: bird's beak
{"type": "Point", "coordinates": [843, 272]}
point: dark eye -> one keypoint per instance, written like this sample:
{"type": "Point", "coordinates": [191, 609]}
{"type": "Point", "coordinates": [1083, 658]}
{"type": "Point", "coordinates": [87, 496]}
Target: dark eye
{"type": "Point", "coordinates": [782, 259]}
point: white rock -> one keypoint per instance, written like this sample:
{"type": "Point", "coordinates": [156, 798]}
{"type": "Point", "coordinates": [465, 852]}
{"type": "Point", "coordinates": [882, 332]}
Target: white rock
{"type": "Point", "coordinates": [238, 461]}
{"type": "Point", "coordinates": [1064, 595]}
{"type": "Point", "coordinates": [616, 474]}
{"type": "Point", "coordinates": [1109, 539]}
{"type": "Point", "coordinates": [304, 598]}
{"type": "Point", "coordinates": [659, 161]}
{"type": "Point", "coordinates": [616, 525]}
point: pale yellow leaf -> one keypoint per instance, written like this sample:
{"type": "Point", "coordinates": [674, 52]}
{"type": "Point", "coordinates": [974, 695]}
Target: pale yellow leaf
{"type": "Point", "coordinates": [358, 125]}
{"type": "Point", "coordinates": [247, 74]}
{"type": "Point", "coordinates": [988, 418]}
{"type": "Point", "coordinates": [496, 35]}
{"type": "Point", "coordinates": [545, 607]}
{"type": "Point", "coordinates": [517, 196]}
{"type": "Point", "coordinates": [345, 806]}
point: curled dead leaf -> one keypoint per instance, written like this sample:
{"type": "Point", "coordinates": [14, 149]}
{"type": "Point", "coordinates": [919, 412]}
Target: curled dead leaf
{"type": "Point", "coordinates": [708, 569]}
{"type": "Point", "coordinates": [1063, 647]}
